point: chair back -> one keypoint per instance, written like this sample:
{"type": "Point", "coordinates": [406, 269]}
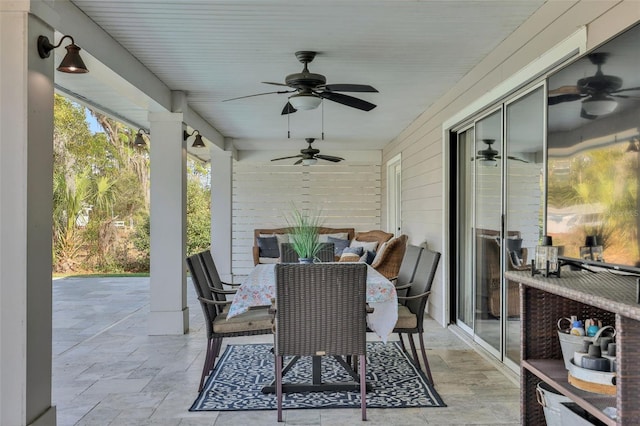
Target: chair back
{"type": "Point", "coordinates": [409, 264]}
{"type": "Point", "coordinates": [321, 309]}
{"type": "Point", "coordinates": [425, 273]}
{"type": "Point", "coordinates": [289, 255]}
{"type": "Point", "coordinates": [203, 291]}
{"type": "Point", "coordinates": [211, 273]}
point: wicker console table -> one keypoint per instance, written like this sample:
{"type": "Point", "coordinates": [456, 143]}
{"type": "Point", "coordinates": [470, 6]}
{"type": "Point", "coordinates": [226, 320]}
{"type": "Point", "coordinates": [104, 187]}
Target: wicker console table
{"type": "Point", "coordinates": [602, 295]}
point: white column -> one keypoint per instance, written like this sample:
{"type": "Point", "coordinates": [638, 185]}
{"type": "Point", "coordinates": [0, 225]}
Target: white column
{"type": "Point", "coordinates": [221, 212]}
{"type": "Point", "coordinates": [168, 155]}
{"type": "Point", "coordinates": [26, 179]}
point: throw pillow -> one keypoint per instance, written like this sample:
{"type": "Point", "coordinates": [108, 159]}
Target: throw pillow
{"type": "Point", "coordinates": [268, 247]}
{"type": "Point", "coordinates": [515, 259]}
{"type": "Point", "coordinates": [380, 252]}
{"type": "Point", "coordinates": [366, 245]}
{"type": "Point", "coordinates": [324, 238]}
{"type": "Point", "coordinates": [351, 254]}
{"type": "Point", "coordinates": [338, 244]}
{"type": "Point", "coordinates": [514, 244]}
{"type": "Point", "coordinates": [368, 257]}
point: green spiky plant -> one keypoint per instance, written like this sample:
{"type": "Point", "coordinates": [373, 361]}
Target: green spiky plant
{"type": "Point", "coordinates": [303, 231]}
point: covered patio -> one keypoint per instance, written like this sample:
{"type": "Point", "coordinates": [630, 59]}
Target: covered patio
{"type": "Point", "coordinates": [438, 66]}
{"type": "Point", "coordinates": [108, 371]}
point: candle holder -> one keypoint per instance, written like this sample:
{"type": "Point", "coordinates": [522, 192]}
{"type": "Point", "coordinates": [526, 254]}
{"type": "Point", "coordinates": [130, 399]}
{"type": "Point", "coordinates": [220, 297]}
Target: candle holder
{"type": "Point", "coordinates": [591, 250]}
{"type": "Point", "coordinates": [545, 262]}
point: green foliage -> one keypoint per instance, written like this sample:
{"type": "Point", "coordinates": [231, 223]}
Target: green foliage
{"type": "Point", "coordinates": [303, 231]}
{"type": "Point", "coordinates": [198, 208]}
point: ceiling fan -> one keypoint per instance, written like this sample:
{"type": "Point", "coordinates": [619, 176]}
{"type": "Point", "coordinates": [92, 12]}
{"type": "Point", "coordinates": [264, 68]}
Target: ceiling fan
{"type": "Point", "coordinates": [309, 89]}
{"type": "Point", "coordinates": [309, 155]}
{"type": "Point", "coordinates": [597, 92]}
{"type": "Point", "coordinates": [488, 156]}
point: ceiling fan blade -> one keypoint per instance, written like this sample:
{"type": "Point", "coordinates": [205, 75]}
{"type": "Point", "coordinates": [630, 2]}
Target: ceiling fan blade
{"type": "Point", "coordinates": [554, 100]}
{"type": "Point", "coordinates": [329, 158]}
{"type": "Point", "coordinates": [565, 90]}
{"type": "Point", "coordinates": [626, 90]}
{"type": "Point", "coordinates": [517, 159]}
{"type": "Point", "coordinates": [349, 88]}
{"type": "Point", "coordinates": [286, 158]}
{"type": "Point", "coordinates": [298, 162]}
{"type": "Point", "coordinates": [259, 94]}
{"type": "Point", "coordinates": [275, 84]}
{"type": "Point", "coordinates": [584, 114]}
{"type": "Point", "coordinates": [288, 109]}
{"type": "Point", "coordinates": [347, 100]}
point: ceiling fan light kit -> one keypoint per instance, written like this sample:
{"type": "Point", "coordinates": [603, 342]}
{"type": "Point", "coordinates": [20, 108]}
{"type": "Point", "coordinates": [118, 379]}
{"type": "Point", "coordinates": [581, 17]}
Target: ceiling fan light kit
{"type": "Point", "coordinates": [309, 161]}
{"type": "Point", "coordinates": [599, 105]}
{"type": "Point", "coordinates": [305, 101]}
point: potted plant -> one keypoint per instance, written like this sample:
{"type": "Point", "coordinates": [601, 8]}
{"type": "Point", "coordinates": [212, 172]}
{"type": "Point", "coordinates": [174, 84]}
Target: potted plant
{"type": "Point", "coordinates": [303, 234]}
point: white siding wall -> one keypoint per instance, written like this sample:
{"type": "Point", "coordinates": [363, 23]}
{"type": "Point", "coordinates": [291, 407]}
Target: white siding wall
{"type": "Point", "coordinates": [424, 175]}
{"type": "Point", "coordinates": [348, 195]}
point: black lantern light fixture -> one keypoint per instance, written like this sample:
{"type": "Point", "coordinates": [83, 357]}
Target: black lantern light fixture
{"type": "Point", "coordinates": [139, 141]}
{"type": "Point", "coordinates": [198, 142]}
{"type": "Point", "coordinates": [72, 62]}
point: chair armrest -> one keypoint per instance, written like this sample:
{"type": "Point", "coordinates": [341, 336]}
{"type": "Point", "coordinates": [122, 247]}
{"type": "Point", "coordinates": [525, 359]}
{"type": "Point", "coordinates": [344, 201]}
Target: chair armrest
{"type": "Point", "coordinates": [417, 296]}
{"type": "Point", "coordinates": [369, 309]}
{"type": "Point", "coordinates": [218, 291]}
{"type": "Point", "coordinates": [214, 302]}
{"type": "Point", "coordinates": [256, 255]}
{"type": "Point", "coordinates": [403, 287]}
{"type": "Point", "coordinates": [231, 284]}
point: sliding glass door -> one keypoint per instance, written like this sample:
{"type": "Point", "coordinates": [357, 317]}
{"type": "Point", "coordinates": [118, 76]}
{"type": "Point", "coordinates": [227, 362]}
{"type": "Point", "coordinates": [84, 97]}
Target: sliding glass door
{"type": "Point", "coordinates": [498, 211]}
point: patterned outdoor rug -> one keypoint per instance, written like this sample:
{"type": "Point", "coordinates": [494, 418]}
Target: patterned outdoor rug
{"type": "Point", "coordinates": [243, 370]}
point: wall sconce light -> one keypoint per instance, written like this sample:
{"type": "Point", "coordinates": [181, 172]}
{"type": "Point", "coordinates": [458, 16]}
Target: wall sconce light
{"type": "Point", "coordinates": [139, 141]}
{"type": "Point", "coordinates": [71, 63]}
{"type": "Point", "coordinates": [546, 260]}
{"type": "Point", "coordinates": [591, 250]}
{"type": "Point", "coordinates": [198, 142]}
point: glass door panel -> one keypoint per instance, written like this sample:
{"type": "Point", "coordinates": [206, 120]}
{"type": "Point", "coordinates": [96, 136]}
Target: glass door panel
{"type": "Point", "coordinates": [465, 302]}
{"type": "Point", "coordinates": [487, 214]}
{"type": "Point", "coordinates": [524, 201]}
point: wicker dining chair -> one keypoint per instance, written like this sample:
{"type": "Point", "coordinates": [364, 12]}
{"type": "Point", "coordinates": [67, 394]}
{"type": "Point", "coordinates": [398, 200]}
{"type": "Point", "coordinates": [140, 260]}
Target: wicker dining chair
{"type": "Point", "coordinates": [412, 306]}
{"type": "Point", "coordinates": [320, 309]}
{"type": "Point", "coordinates": [253, 322]}
{"type": "Point", "coordinates": [289, 255]}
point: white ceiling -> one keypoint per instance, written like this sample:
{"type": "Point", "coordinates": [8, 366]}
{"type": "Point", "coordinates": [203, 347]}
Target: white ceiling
{"type": "Point", "coordinates": [413, 52]}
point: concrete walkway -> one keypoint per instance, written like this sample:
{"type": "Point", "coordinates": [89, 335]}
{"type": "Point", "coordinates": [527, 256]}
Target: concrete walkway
{"type": "Point", "coordinates": [108, 371]}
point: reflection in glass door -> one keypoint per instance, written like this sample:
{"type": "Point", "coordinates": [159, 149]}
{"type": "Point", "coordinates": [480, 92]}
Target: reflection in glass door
{"type": "Point", "coordinates": [524, 202]}
{"type": "Point", "coordinates": [487, 219]}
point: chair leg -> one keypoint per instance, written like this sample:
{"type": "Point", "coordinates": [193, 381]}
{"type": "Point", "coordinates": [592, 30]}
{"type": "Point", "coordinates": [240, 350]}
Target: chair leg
{"type": "Point", "coordinates": [401, 342]}
{"type": "Point", "coordinates": [279, 385]}
{"type": "Point", "coordinates": [414, 353]}
{"type": "Point", "coordinates": [424, 358]}
{"type": "Point", "coordinates": [206, 368]}
{"type": "Point", "coordinates": [363, 386]}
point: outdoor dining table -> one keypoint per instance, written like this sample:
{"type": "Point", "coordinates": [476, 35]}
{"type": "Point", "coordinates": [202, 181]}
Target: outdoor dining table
{"type": "Point", "coordinates": [259, 288]}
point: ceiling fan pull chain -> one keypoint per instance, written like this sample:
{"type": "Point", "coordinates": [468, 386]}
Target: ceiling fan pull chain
{"type": "Point", "coordinates": [323, 119]}
{"type": "Point", "coordinates": [288, 126]}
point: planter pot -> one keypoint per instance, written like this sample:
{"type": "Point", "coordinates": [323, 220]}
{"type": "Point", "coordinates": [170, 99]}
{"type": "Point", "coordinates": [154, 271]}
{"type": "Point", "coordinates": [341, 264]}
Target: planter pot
{"type": "Point", "coordinates": [305, 260]}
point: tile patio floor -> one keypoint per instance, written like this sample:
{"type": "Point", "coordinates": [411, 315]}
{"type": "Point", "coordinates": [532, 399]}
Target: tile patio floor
{"type": "Point", "coordinates": [108, 371]}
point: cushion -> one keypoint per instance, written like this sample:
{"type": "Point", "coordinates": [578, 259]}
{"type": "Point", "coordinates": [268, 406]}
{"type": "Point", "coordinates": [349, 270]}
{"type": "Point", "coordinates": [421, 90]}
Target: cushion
{"type": "Point", "coordinates": [268, 247]}
{"type": "Point", "coordinates": [282, 238]}
{"type": "Point", "coordinates": [339, 244]}
{"type": "Point", "coordinates": [268, 260]}
{"type": "Point", "coordinates": [366, 245]}
{"type": "Point", "coordinates": [324, 238]}
{"type": "Point", "coordinates": [351, 254]}
{"type": "Point", "coordinates": [368, 256]}
{"type": "Point", "coordinates": [406, 319]}
{"type": "Point", "coordinates": [514, 244]}
{"type": "Point", "coordinates": [380, 252]}
{"type": "Point", "coordinates": [515, 259]}
{"type": "Point", "coordinates": [254, 319]}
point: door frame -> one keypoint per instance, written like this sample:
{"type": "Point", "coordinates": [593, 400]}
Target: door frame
{"type": "Point", "coordinates": [394, 195]}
